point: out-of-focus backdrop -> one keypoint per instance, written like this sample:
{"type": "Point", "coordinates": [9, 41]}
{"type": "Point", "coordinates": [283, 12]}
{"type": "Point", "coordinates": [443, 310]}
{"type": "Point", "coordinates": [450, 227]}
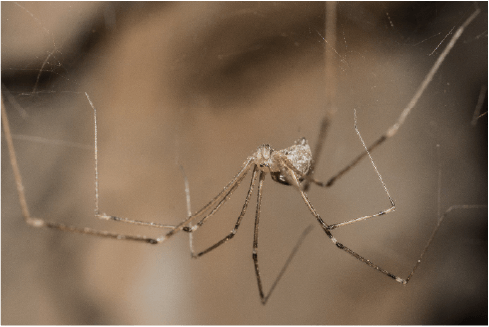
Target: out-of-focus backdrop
{"type": "Point", "coordinates": [201, 85]}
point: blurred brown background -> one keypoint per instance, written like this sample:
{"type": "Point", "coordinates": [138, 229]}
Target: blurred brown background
{"type": "Point", "coordinates": [202, 85]}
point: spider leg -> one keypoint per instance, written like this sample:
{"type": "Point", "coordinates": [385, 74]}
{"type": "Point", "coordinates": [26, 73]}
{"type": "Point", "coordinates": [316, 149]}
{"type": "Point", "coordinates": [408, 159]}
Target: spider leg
{"type": "Point", "coordinates": [255, 240]}
{"type": "Point", "coordinates": [38, 222]}
{"type": "Point", "coordinates": [264, 298]}
{"type": "Point", "coordinates": [339, 245]}
{"type": "Point", "coordinates": [227, 191]}
{"type": "Point", "coordinates": [316, 154]}
{"type": "Point", "coordinates": [412, 103]}
{"type": "Point", "coordinates": [174, 229]}
{"type": "Point", "coordinates": [238, 221]}
{"type": "Point", "coordinates": [327, 229]}
{"type": "Point", "coordinates": [381, 213]}
{"type": "Point", "coordinates": [435, 230]}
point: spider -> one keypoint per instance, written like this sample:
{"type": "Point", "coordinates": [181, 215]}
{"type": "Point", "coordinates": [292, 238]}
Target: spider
{"type": "Point", "coordinates": [291, 166]}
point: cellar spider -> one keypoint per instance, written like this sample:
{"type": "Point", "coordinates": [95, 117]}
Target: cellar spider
{"type": "Point", "coordinates": [290, 166]}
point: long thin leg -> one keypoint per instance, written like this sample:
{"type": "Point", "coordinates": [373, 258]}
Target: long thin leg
{"type": "Point", "coordinates": [255, 240]}
{"type": "Point", "coordinates": [440, 216]}
{"type": "Point", "coordinates": [223, 196]}
{"type": "Point", "coordinates": [174, 229]}
{"type": "Point", "coordinates": [390, 132]}
{"type": "Point", "coordinates": [327, 229]}
{"type": "Point", "coordinates": [38, 222]}
{"type": "Point", "coordinates": [264, 298]}
{"type": "Point", "coordinates": [317, 151]}
{"type": "Point", "coordinates": [226, 192]}
{"type": "Point", "coordinates": [184, 224]}
{"type": "Point", "coordinates": [381, 213]}
{"type": "Point", "coordinates": [339, 245]}
{"type": "Point", "coordinates": [238, 221]}
{"type": "Point", "coordinates": [435, 230]}
{"type": "Point", "coordinates": [97, 210]}
{"type": "Point", "coordinates": [412, 103]}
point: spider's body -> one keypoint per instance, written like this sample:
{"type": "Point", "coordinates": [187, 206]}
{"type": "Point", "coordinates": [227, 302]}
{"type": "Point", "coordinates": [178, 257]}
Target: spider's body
{"type": "Point", "coordinates": [297, 157]}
